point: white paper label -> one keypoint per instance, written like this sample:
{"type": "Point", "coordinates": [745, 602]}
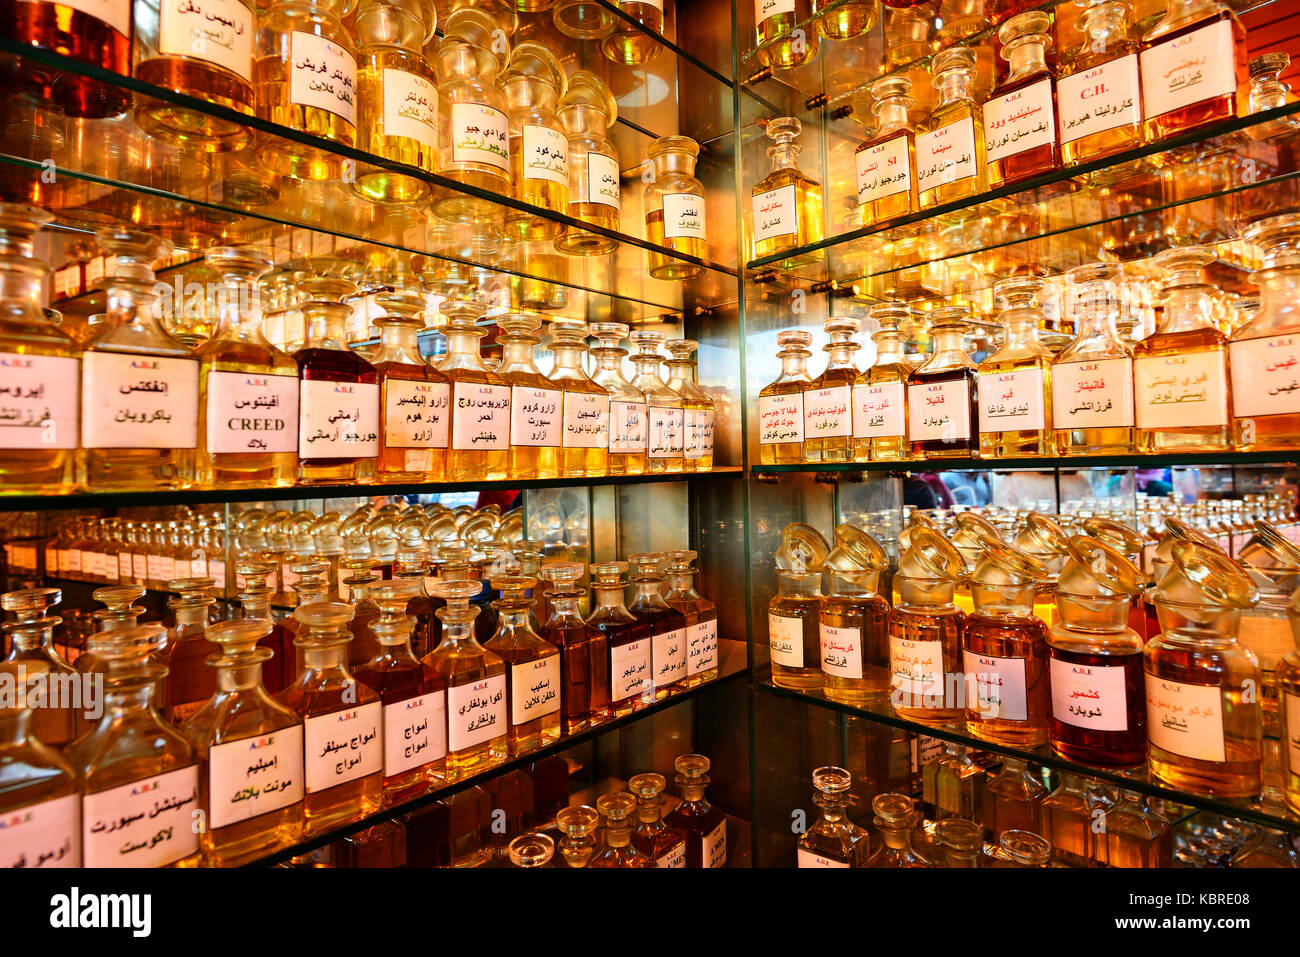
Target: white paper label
{"type": "Point", "coordinates": [586, 421]}
{"type": "Point", "coordinates": [714, 846]}
{"type": "Point", "coordinates": [1090, 395]}
{"type": "Point", "coordinates": [322, 74]}
{"type": "Point", "coordinates": [666, 432]}
{"type": "Point", "coordinates": [683, 216]}
{"type": "Point", "coordinates": [774, 214]}
{"type": "Point", "coordinates": [785, 640]}
{"type": "Point", "coordinates": [780, 418]}
{"type": "Point", "coordinates": [828, 413]}
{"type": "Point", "coordinates": [476, 713]}
{"type": "Point", "coordinates": [945, 155]}
{"type": "Point", "coordinates": [1089, 696]}
{"type": "Point", "coordinates": [480, 134]}
{"type": "Point", "coordinates": [343, 746]}
{"type": "Point", "coordinates": [1099, 99]}
{"type": "Point", "coordinates": [1188, 69]}
{"type": "Point", "coordinates": [415, 414]}
{"type": "Point", "coordinates": [1265, 375]}
{"type": "Point", "coordinates": [338, 420]}
{"type": "Point", "coordinates": [480, 417]}
{"type": "Point", "coordinates": [161, 568]}
{"type": "Point", "coordinates": [809, 859]}
{"type": "Point", "coordinates": [938, 411]}
{"type": "Point", "coordinates": [999, 686]}
{"type": "Point", "coordinates": [1291, 728]}
{"type": "Point", "coordinates": [841, 651]}
{"type": "Point", "coordinates": [1186, 719]}
{"type": "Point", "coordinates": [146, 823]}
{"type": "Point", "coordinates": [38, 402]}
{"type": "Point", "coordinates": [771, 8]}
{"type": "Point", "coordinates": [668, 657]}
{"type": "Point", "coordinates": [252, 412]}
{"type": "Point", "coordinates": [534, 689]}
{"type": "Point", "coordinates": [415, 732]}
{"type": "Point", "coordinates": [116, 13]}
{"type": "Point", "coordinates": [629, 427]}
{"type": "Point", "coordinates": [535, 416]}
{"type": "Point", "coordinates": [410, 107]}
{"type": "Point", "coordinates": [699, 433]}
{"type": "Point", "coordinates": [883, 170]}
{"type": "Point", "coordinates": [218, 31]}
{"type": "Point", "coordinates": [702, 647]}
{"type": "Point", "coordinates": [1011, 401]}
{"type": "Point", "coordinates": [629, 670]}
{"type": "Point", "coordinates": [138, 402]}
{"type": "Point", "coordinates": [1019, 121]}
{"type": "Point", "coordinates": [603, 185]}
{"type": "Point", "coordinates": [1181, 390]}
{"type": "Point", "coordinates": [47, 834]}
{"type": "Point", "coordinates": [674, 857]}
{"type": "Point", "coordinates": [878, 411]}
{"type": "Point", "coordinates": [546, 154]}
{"type": "Point", "coordinates": [254, 775]}
{"type": "Point", "coordinates": [916, 666]}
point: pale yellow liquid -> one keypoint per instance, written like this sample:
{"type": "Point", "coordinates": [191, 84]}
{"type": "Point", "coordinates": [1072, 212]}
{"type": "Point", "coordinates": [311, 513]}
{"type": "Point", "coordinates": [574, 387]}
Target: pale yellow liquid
{"type": "Point", "coordinates": [661, 267]}
{"type": "Point", "coordinates": [967, 185]}
{"type": "Point", "coordinates": [579, 243]}
{"type": "Point", "coordinates": [1021, 441]}
{"type": "Point", "coordinates": [781, 453]}
{"type": "Point", "coordinates": [808, 218]}
{"type": "Point", "coordinates": [543, 193]}
{"type": "Point", "coordinates": [379, 185]}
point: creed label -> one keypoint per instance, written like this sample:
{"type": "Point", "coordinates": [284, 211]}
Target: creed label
{"type": "Point", "coordinates": [252, 412]}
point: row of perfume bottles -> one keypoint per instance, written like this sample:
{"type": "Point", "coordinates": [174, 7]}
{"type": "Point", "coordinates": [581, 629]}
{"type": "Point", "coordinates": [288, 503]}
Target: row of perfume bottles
{"type": "Point", "coordinates": [1185, 388]}
{"type": "Point", "coordinates": [239, 413]}
{"type": "Point", "coordinates": [188, 705]}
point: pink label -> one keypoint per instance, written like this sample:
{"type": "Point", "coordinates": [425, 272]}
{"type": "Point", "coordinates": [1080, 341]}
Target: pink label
{"type": "Point", "coordinates": [415, 732]}
{"type": "Point", "coordinates": [138, 402]}
{"type": "Point", "coordinates": [938, 411]}
{"type": "Point", "coordinates": [252, 413]}
{"type": "Point", "coordinates": [878, 411]}
{"type": "Point", "coordinates": [342, 746]}
{"type": "Point", "coordinates": [667, 426]}
{"type": "Point", "coordinates": [415, 414]}
{"type": "Point", "coordinates": [38, 402]}
{"type": "Point", "coordinates": [536, 417]}
{"type": "Point", "coordinates": [1265, 375]}
{"type": "Point", "coordinates": [1011, 401]}
{"type": "Point", "coordinates": [1186, 719]}
{"type": "Point", "coordinates": [338, 420]}
{"type": "Point", "coordinates": [586, 421]}
{"type": "Point", "coordinates": [1099, 99]}
{"type": "Point", "coordinates": [1181, 390]}
{"type": "Point", "coordinates": [476, 713]}
{"type": "Point", "coordinates": [146, 823]}
{"type": "Point", "coordinates": [916, 666]}
{"type": "Point", "coordinates": [1091, 395]}
{"type": "Point", "coordinates": [254, 775]}
{"type": "Point", "coordinates": [629, 426]}
{"type": "Point", "coordinates": [47, 834]}
{"type": "Point", "coordinates": [480, 417]}
{"type": "Point", "coordinates": [1188, 69]}
{"type": "Point", "coordinates": [1089, 696]}
{"type": "Point", "coordinates": [780, 419]}
{"type": "Point", "coordinates": [883, 170]}
{"type": "Point", "coordinates": [1019, 121]}
{"type": "Point", "coordinates": [828, 413]}
{"type": "Point", "coordinates": [809, 859]}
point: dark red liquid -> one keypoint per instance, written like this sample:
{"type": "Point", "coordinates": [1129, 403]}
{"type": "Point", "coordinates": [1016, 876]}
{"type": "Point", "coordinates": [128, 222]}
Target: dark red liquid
{"type": "Point", "coordinates": [661, 621]}
{"type": "Point", "coordinates": [971, 443]}
{"type": "Point", "coordinates": [333, 365]}
{"type": "Point", "coordinates": [550, 789]}
{"type": "Point", "coordinates": [584, 674]}
{"type": "Point", "coordinates": [1107, 748]}
{"type": "Point", "coordinates": [280, 669]}
{"type": "Point", "coordinates": [697, 819]}
{"type": "Point", "coordinates": [85, 38]}
{"type": "Point", "coordinates": [421, 608]}
{"type": "Point", "coordinates": [616, 635]}
{"type": "Point", "coordinates": [513, 793]}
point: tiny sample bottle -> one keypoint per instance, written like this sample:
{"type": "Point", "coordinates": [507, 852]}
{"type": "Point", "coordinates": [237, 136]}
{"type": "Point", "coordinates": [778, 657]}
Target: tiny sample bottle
{"type": "Point", "coordinates": [1013, 800]}
{"type": "Point", "coordinates": [895, 817]}
{"type": "Point", "coordinates": [853, 620]}
{"type": "Point", "coordinates": [958, 784]}
{"type": "Point", "coordinates": [1092, 378]}
{"type": "Point", "coordinates": [885, 164]}
{"type": "Point", "coordinates": [585, 439]}
{"type": "Point", "coordinates": [189, 683]}
{"type": "Point", "coordinates": [780, 403]}
{"type": "Point", "coordinates": [144, 439]}
{"type": "Point", "coordinates": [539, 144]}
{"type": "Point", "coordinates": [664, 845]}
{"type": "Point", "coordinates": [31, 649]}
{"type": "Point", "coordinates": [480, 401]}
{"type": "Point", "coordinates": [666, 624]}
{"type": "Point", "coordinates": [1015, 382]}
{"type": "Point", "coordinates": [628, 414]}
{"type": "Point", "coordinates": [781, 43]}
{"type": "Point", "coordinates": [941, 393]}
{"type": "Point", "coordinates": [584, 653]}
{"type": "Point", "coordinates": [926, 631]}
{"type": "Point", "coordinates": [667, 416]}
{"type": "Point", "coordinates": [536, 416]}
{"type": "Point", "coordinates": [250, 749]}
{"type": "Point", "coordinates": [1069, 822]}
{"type": "Point", "coordinates": [786, 204]}
{"type": "Point", "coordinates": [674, 208]}
{"type": "Point", "coordinates": [617, 850]}
{"type": "Point", "coordinates": [1136, 836]}
{"type": "Point", "coordinates": [698, 406]}
{"type": "Point", "coordinates": [880, 393]}
{"type": "Point", "coordinates": [99, 36]}
{"type": "Point", "coordinates": [588, 109]}
{"type": "Point", "coordinates": [834, 841]}
{"type": "Point", "coordinates": [701, 616]}
{"type": "Point", "coordinates": [534, 680]}
{"type": "Point", "coordinates": [962, 842]}
{"type": "Point", "coordinates": [1098, 93]}
{"type": "Point", "coordinates": [950, 162]}
{"type": "Point", "coordinates": [627, 638]}
{"type": "Point", "coordinates": [704, 824]}
{"type": "Point", "coordinates": [1180, 372]}
{"type": "Point", "coordinates": [579, 823]}
{"type": "Point", "coordinates": [828, 399]}
{"type": "Point", "coordinates": [1193, 68]}
{"type": "Point", "coordinates": [1020, 114]}
{"type": "Point", "coordinates": [414, 397]}
{"type": "Point", "coordinates": [793, 632]}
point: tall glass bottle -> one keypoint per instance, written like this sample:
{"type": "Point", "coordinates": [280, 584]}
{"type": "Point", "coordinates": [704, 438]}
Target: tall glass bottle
{"type": "Point", "coordinates": [1193, 68]}
{"type": "Point", "coordinates": [31, 648]}
{"type": "Point", "coordinates": [584, 653]}
{"type": "Point", "coordinates": [664, 845]}
{"type": "Point", "coordinates": [667, 625]}
{"type": "Point", "coordinates": [536, 404]}
{"type": "Point", "coordinates": [1015, 382]}
{"type": "Point", "coordinates": [895, 817]}
{"type": "Point", "coordinates": [885, 164]}
{"type": "Point", "coordinates": [698, 406]}
{"type": "Point", "coordinates": [480, 401]}
{"type": "Point", "coordinates": [941, 393]}
{"type": "Point", "coordinates": [1020, 114]}
{"type": "Point", "coordinates": [667, 417]}
{"type": "Point", "coordinates": [279, 667]}
{"type": "Point", "coordinates": [853, 620]}
{"type": "Point", "coordinates": [781, 45]}
{"type": "Point", "coordinates": [588, 109]}
{"type": "Point", "coordinates": [189, 683]}
{"type": "Point", "coordinates": [98, 36]}
{"type": "Point", "coordinates": [534, 687]}
{"type": "Point", "coordinates": [793, 631]}
{"type": "Point", "coordinates": [926, 631]}
{"type": "Point", "coordinates": [579, 824]}
{"type": "Point", "coordinates": [627, 638]}
{"type": "Point", "coordinates": [539, 145]}
{"type": "Point", "coordinates": [144, 438]}
{"type": "Point", "coordinates": [1180, 372]}
{"type": "Point", "coordinates": [704, 824]}
{"type": "Point", "coordinates": [780, 403]}
{"type": "Point", "coordinates": [880, 393]}
{"type": "Point", "coordinates": [414, 397]}
{"type": "Point", "coordinates": [1097, 92]}
{"type": "Point", "coordinates": [786, 203]}
{"type": "Point", "coordinates": [701, 616]}
{"type": "Point", "coordinates": [1287, 677]}
{"type": "Point", "coordinates": [834, 841]}
{"type": "Point", "coordinates": [828, 399]}
{"type": "Point", "coordinates": [1136, 836]}
{"type": "Point", "coordinates": [585, 439]}
{"type": "Point", "coordinates": [950, 162]}
{"type": "Point", "coordinates": [628, 414]}
{"type": "Point", "coordinates": [674, 208]}
{"type": "Point", "coordinates": [618, 850]}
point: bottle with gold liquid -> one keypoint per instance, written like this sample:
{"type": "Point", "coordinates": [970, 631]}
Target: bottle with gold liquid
{"type": "Point", "coordinates": [585, 420]}
{"type": "Point", "coordinates": [533, 687]}
{"type": "Point", "coordinates": [909, 42]}
{"type": "Point", "coordinates": [1069, 813]}
{"type": "Point", "coordinates": [1180, 372]}
{"type": "Point", "coordinates": [1013, 800]}
{"type": "Point", "coordinates": [704, 824]}
{"type": "Point", "coordinates": [1202, 687]}
{"type": "Point", "coordinates": [781, 44]}
{"type": "Point", "coordinates": [941, 393]}
{"type": "Point", "coordinates": [674, 207]}
{"type": "Point", "coordinates": [786, 204]}
{"type": "Point", "coordinates": [536, 403]}
{"type": "Point", "coordinates": [896, 817]}
{"type": "Point", "coordinates": [189, 683]}
{"type": "Point", "coordinates": [780, 403]}
{"type": "Point", "coordinates": [629, 416]}
{"type": "Point", "coordinates": [664, 845]}
{"type": "Point", "coordinates": [1135, 835]}
{"type": "Point", "coordinates": [136, 771]}
{"type": "Point", "coordinates": [697, 452]}
{"type": "Point", "coordinates": [539, 143]}
{"type": "Point", "coordinates": [250, 749]}
{"type": "Point", "coordinates": [958, 21]}
{"type": "Point", "coordinates": [1098, 93]}
{"type": "Point", "coordinates": [143, 437]}
{"type": "Point", "coordinates": [1193, 68]}
{"type": "Point", "coordinates": [1044, 539]}
{"type": "Point", "coordinates": [31, 648]}
{"type": "Point", "coordinates": [828, 399]}
{"type": "Point", "coordinates": [584, 655]}
{"type": "Point", "coordinates": [588, 109]}
{"type": "Point", "coordinates": [834, 841]}
{"type": "Point", "coordinates": [618, 850]}
{"type": "Point", "coordinates": [667, 417]}
{"type": "Point", "coordinates": [305, 75]}
{"type": "Point", "coordinates": [627, 638]}
{"type": "Point", "coordinates": [480, 401]}
{"type": "Point", "coordinates": [926, 631]}
{"type": "Point", "coordinates": [667, 625]}
{"type": "Point", "coordinates": [880, 393]}
{"type": "Point", "coordinates": [1015, 382]}
{"type": "Point", "coordinates": [1287, 677]}
{"type": "Point", "coordinates": [701, 618]}
{"type": "Point", "coordinates": [885, 164]}
{"type": "Point", "coordinates": [1020, 114]}
{"type": "Point", "coordinates": [793, 630]}
{"type": "Point", "coordinates": [844, 21]}
{"type": "Point", "coordinates": [853, 620]}
{"type": "Point", "coordinates": [950, 162]}
{"type": "Point", "coordinates": [415, 398]}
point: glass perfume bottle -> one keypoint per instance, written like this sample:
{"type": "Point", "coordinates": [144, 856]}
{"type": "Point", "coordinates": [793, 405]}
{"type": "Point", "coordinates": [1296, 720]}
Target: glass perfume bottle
{"type": "Point", "coordinates": [136, 771]}
{"type": "Point", "coordinates": [780, 43]}
{"type": "Point", "coordinates": [968, 22]}
{"type": "Point", "coordinates": [338, 408]}
{"type": "Point", "coordinates": [1068, 822]}
{"type": "Point", "coordinates": [701, 616]}
{"type": "Point", "coordinates": [780, 403]}
{"type": "Point", "coordinates": [853, 620]}
{"type": "Point", "coordinates": [588, 109]}
{"type": "Point", "coordinates": [31, 648]}
{"type": "Point", "coordinates": [834, 840]}
{"type": "Point", "coordinates": [539, 144]}
{"type": "Point", "coordinates": [828, 399]}
{"type": "Point", "coordinates": [278, 668]}
{"type": "Point", "coordinates": [667, 416]}
{"type": "Point", "coordinates": [793, 632]}
{"type": "Point", "coordinates": [415, 398]}
{"type": "Point", "coordinates": [342, 719]}
{"type": "Point", "coordinates": [98, 36]}
{"type": "Point", "coordinates": [1180, 372]}
{"type": "Point", "coordinates": [1020, 114]}
{"type": "Point", "coordinates": [1098, 92]}
{"type": "Point", "coordinates": [363, 573]}
{"type": "Point", "coordinates": [1092, 378]}
{"type": "Point", "coordinates": [786, 204]}
{"type": "Point", "coordinates": [1015, 382]}
{"type": "Point", "coordinates": [926, 631]}
{"type": "Point", "coordinates": [895, 818]}
{"type": "Point", "coordinates": [1098, 709]}
{"type": "Point", "coordinates": [698, 406]}
{"type": "Point", "coordinates": [941, 393]}
{"type": "Point", "coordinates": [844, 21]}
{"type": "Point", "coordinates": [480, 401]}
{"type": "Point", "coordinates": [584, 653]}
{"type": "Point", "coordinates": [189, 683]}
{"type": "Point", "coordinates": [39, 359]}
{"type": "Point", "coordinates": [534, 686]}
{"type": "Point", "coordinates": [880, 393]}
{"type": "Point", "coordinates": [1013, 800]}
{"type": "Point", "coordinates": [885, 164]}
{"type": "Point", "coordinates": [627, 638]}
{"type": "Point", "coordinates": [618, 850]}
{"type": "Point", "coordinates": [144, 439]}
{"type": "Point", "coordinates": [958, 784]}
{"type": "Point", "coordinates": [536, 403]}
{"type": "Point", "coordinates": [664, 845]}
{"type": "Point", "coordinates": [250, 749]}
{"type": "Point", "coordinates": [579, 824]}
{"type": "Point", "coordinates": [1136, 836]}
{"type": "Point", "coordinates": [585, 440]}
{"type": "Point", "coordinates": [950, 163]}
{"type": "Point", "coordinates": [667, 625]}
{"type": "Point", "coordinates": [704, 824]}
{"type": "Point", "coordinates": [628, 414]}
{"type": "Point", "coordinates": [1203, 712]}
{"type": "Point", "coordinates": [632, 45]}
{"type": "Point", "coordinates": [674, 208]}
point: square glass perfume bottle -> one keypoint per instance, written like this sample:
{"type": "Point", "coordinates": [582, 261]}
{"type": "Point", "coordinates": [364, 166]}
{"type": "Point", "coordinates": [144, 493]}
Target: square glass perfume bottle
{"type": "Point", "coordinates": [786, 204]}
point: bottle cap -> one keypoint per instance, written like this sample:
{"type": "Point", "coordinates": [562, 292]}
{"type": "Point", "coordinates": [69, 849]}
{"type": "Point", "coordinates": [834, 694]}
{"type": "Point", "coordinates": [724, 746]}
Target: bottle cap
{"type": "Point", "coordinates": [832, 780]}
{"type": "Point", "coordinates": [531, 850]}
{"type": "Point", "coordinates": [803, 550]}
{"type": "Point", "coordinates": [616, 807]}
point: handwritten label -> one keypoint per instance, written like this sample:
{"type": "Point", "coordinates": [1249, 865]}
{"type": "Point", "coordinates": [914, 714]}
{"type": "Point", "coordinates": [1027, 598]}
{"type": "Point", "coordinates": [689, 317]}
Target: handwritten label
{"type": "Point", "coordinates": [945, 155]}
{"type": "Point", "coordinates": [828, 413]}
{"type": "Point", "coordinates": [1188, 69]}
{"type": "Point", "coordinates": [683, 216]}
{"type": "Point", "coordinates": [1099, 99]}
{"type": "Point", "coordinates": [116, 13]}
{"type": "Point", "coordinates": [785, 640]}
{"type": "Point", "coordinates": [714, 846]}
{"type": "Point", "coordinates": [1094, 394]}
{"type": "Point", "coordinates": [410, 107]}
{"type": "Point", "coordinates": [702, 647]}
{"type": "Point", "coordinates": [251, 412]}
{"type": "Point", "coordinates": [939, 411]}
{"type": "Point", "coordinates": [546, 154]}
{"type": "Point", "coordinates": [780, 418]}
{"type": "Point", "coordinates": [586, 421]}
{"type": "Point", "coordinates": [338, 420]}
{"type": "Point", "coordinates": [916, 667]}
{"type": "Point", "coordinates": [322, 74]}
{"type": "Point", "coordinates": [629, 670]}
{"type": "Point", "coordinates": [999, 686]}
{"type": "Point", "coordinates": [763, 9]}
{"type": "Point", "coordinates": [699, 433]}
{"type": "Point", "coordinates": [1186, 719]}
{"type": "Point", "coordinates": [809, 859]}
{"type": "Point", "coordinates": [480, 417]}
{"type": "Point", "coordinates": [145, 823]}
{"type": "Point", "coordinates": [476, 713]}
{"type": "Point", "coordinates": [775, 214]}
{"type": "Point", "coordinates": [47, 834]}
{"type": "Point", "coordinates": [415, 732]}
{"type": "Point", "coordinates": [668, 657]}
{"type": "Point", "coordinates": [1182, 390]}
{"type": "Point", "coordinates": [1089, 696]}
{"type": "Point", "coordinates": [343, 746]}
{"type": "Point", "coordinates": [138, 402]}
{"type": "Point", "coordinates": [884, 169]}
{"type": "Point", "coordinates": [603, 183]}
{"type": "Point", "coordinates": [415, 414]}
{"type": "Point", "coordinates": [216, 31]}
{"type": "Point", "coordinates": [1265, 375]}
{"type": "Point", "coordinates": [1011, 401]}
{"type": "Point", "coordinates": [667, 432]}
{"type": "Point", "coordinates": [535, 416]}
{"type": "Point", "coordinates": [38, 401]}
{"type": "Point", "coordinates": [1019, 121]}
{"type": "Point", "coordinates": [480, 134]}
{"type": "Point", "coordinates": [878, 411]}
{"type": "Point", "coordinates": [841, 651]}
{"type": "Point", "coordinates": [534, 689]}
{"type": "Point", "coordinates": [629, 427]}
{"type": "Point", "coordinates": [254, 775]}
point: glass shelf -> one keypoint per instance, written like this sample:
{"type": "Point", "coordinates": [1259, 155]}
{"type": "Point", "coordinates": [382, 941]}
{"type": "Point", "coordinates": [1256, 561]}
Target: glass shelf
{"type": "Point", "coordinates": [731, 667]}
{"type": "Point", "coordinates": [1134, 779]}
{"type": "Point", "coordinates": [1045, 463]}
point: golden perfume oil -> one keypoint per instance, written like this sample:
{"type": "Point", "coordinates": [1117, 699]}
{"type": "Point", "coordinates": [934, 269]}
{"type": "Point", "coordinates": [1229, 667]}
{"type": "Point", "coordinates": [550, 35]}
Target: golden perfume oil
{"type": "Point", "coordinates": [627, 638]}
{"type": "Point", "coordinates": [885, 164]}
{"type": "Point", "coordinates": [617, 810]}
{"type": "Point", "coordinates": [539, 143]}
{"type": "Point", "coordinates": [926, 631]}
{"type": "Point", "coordinates": [828, 399]}
{"type": "Point", "coordinates": [628, 414]}
{"type": "Point", "coordinates": [588, 109]}
{"type": "Point", "coordinates": [950, 163]}
{"type": "Point", "coordinates": [585, 418]}
{"type": "Point", "coordinates": [780, 403]}
{"type": "Point", "coordinates": [667, 625]}
{"type": "Point", "coordinates": [584, 655]}
{"type": "Point", "coordinates": [189, 683]}
{"type": "Point", "coordinates": [853, 620]}
{"type": "Point", "coordinates": [793, 631]}
{"type": "Point", "coordinates": [1015, 382]}
{"type": "Point", "coordinates": [697, 405]}
{"type": "Point", "coordinates": [31, 650]}
{"type": "Point", "coordinates": [664, 845]}
{"type": "Point", "coordinates": [536, 403]}
{"type": "Point", "coordinates": [880, 393]}
{"type": "Point", "coordinates": [783, 44]}
{"type": "Point", "coordinates": [941, 393]}
{"type": "Point", "coordinates": [895, 819]}
{"type": "Point", "coordinates": [533, 685]}
{"type": "Point", "coordinates": [635, 45]}
{"type": "Point", "coordinates": [704, 824]}
{"type": "Point", "coordinates": [1098, 93]}
{"type": "Point", "coordinates": [701, 618]}
{"type": "Point", "coordinates": [1135, 835]}
{"type": "Point", "coordinates": [1020, 114]}
{"type": "Point", "coordinates": [414, 397]}
{"type": "Point", "coordinates": [786, 204]}
{"type": "Point", "coordinates": [844, 20]}
{"type": "Point", "coordinates": [1193, 68]}
{"type": "Point", "coordinates": [480, 401]}
{"type": "Point", "coordinates": [834, 840]}
{"type": "Point", "coordinates": [667, 417]}
{"type": "Point", "coordinates": [675, 207]}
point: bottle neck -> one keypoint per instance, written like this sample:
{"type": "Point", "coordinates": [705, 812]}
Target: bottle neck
{"type": "Point", "coordinates": [325, 325]}
{"type": "Point", "coordinates": [609, 596]}
{"type": "Point", "coordinates": [618, 833]}
{"type": "Point", "coordinates": [1021, 325]}
{"type": "Point", "coordinates": [1187, 308]}
{"type": "Point", "coordinates": [240, 318]}
{"type": "Point", "coordinates": [513, 617]}
{"type": "Point", "coordinates": [647, 366]}
{"type": "Point", "coordinates": [889, 348]}
{"type": "Point", "coordinates": [891, 116]}
{"type": "Point", "coordinates": [794, 365]}
{"type": "Point", "coordinates": [896, 837]}
{"type": "Point", "coordinates": [32, 638]}
{"type": "Point", "coordinates": [324, 655]}
{"type": "Point", "coordinates": [517, 355]}
{"type": "Point", "coordinates": [840, 355]}
{"type": "Point", "coordinates": [647, 592]}
{"type": "Point", "coordinates": [949, 340]}
{"type": "Point", "coordinates": [311, 593]}
{"type": "Point", "coordinates": [398, 343]}
{"type": "Point", "coordinates": [684, 584]}
{"type": "Point", "coordinates": [564, 608]}
{"type": "Point", "coordinates": [649, 810]}
{"type": "Point", "coordinates": [797, 585]}
{"type": "Point", "coordinates": [583, 120]}
{"type": "Point", "coordinates": [568, 358]}
{"type": "Point", "coordinates": [677, 162]}
{"type": "Point", "coordinates": [610, 359]}
{"type": "Point", "coordinates": [242, 675]}
{"type": "Point", "coordinates": [1279, 293]}
{"type": "Point", "coordinates": [1025, 59]}
{"type": "Point", "coordinates": [784, 156]}
{"type": "Point", "coordinates": [1095, 321]}
{"type": "Point", "coordinates": [693, 793]}
{"type": "Point", "coordinates": [462, 351]}
{"type": "Point", "coordinates": [954, 87]}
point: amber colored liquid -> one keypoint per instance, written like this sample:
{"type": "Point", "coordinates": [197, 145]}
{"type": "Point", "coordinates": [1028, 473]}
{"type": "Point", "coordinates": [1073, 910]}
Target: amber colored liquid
{"type": "Point", "coordinates": [539, 732]}
{"type": "Point", "coordinates": [1006, 813]}
{"type": "Point", "coordinates": [697, 819]}
{"type": "Point", "coordinates": [658, 841]}
{"type": "Point", "coordinates": [616, 635]}
{"type": "Point", "coordinates": [1288, 688]}
{"type": "Point", "coordinates": [1068, 828]}
{"type": "Point", "coordinates": [380, 185]}
{"type": "Point", "coordinates": [422, 609]}
{"type": "Point", "coordinates": [954, 448]}
{"type": "Point", "coordinates": [534, 461]}
{"type": "Point", "coordinates": [1027, 163]}
{"type": "Point", "coordinates": [332, 365]}
{"type": "Point", "coordinates": [947, 628]}
{"type": "Point", "coordinates": [1192, 438]}
{"type": "Point", "coordinates": [660, 621]}
{"type": "Point", "coordinates": [364, 645]}
{"type": "Point", "coordinates": [1105, 142]}
{"type": "Point", "coordinates": [1125, 849]}
{"type": "Point", "coordinates": [71, 33]}
{"type": "Point", "coordinates": [577, 242]}
{"type": "Point", "coordinates": [1021, 441]}
{"type": "Point", "coordinates": [279, 670]}
{"type": "Point", "coordinates": [1110, 441]}
{"type": "Point", "coordinates": [809, 675]}
{"type": "Point", "coordinates": [395, 462]}
{"type": "Point", "coordinates": [458, 669]}
{"type": "Point", "coordinates": [240, 469]}
{"type": "Point", "coordinates": [781, 453]}
{"type": "Point", "coordinates": [271, 80]}
{"type": "Point", "coordinates": [870, 617]}
{"type": "Point", "coordinates": [461, 208]}
{"type": "Point", "coordinates": [400, 679]}
{"type": "Point", "coordinates": [584, 676]}
{"type": "Point", "coordinates": [468, 465]}
{"type": "Point", "coordinates": [661, 267]}
{"type": "Point", "coordinates": [189, 682]}
{"type": "Point", "coordinates": [778, 45]}
{"type": "Point", "coordinates": [1011, 637]}
{"type": "Point", "coordinates": [808, 218]}
{"type": "Point", "coordinates": [631, 46]}
{"type": "Point", "coordinates": [901, 203]}
{"type": "Point", "coordinates": [1211, 110]}
{"type": "Point", "coordinates": [201, 79]}
{"type": "Point", "coordinates": [1108, 748]}
{"type": "Point", "coordinates": [543, 193]}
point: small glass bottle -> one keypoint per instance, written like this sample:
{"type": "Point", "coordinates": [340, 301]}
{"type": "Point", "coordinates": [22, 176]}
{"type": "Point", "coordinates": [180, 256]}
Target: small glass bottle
{"type": "Point", "coordinates": [844, 21]}
{"type": "Point", "coordinates": [628, 414]}
{"type": "Point", "coordinates": [31, 649]}
{"type": "Point", "coordinates": [618, 850]}
{"type": "Point", "coordinates": [853, 620]}
{"type": "Point", "coordinates": [701, 618]}
{"type": "Point", "coordinates": [1015, 382]}
{"type": "Point", "coordinates": [250, 749]}
{"type": "Point", "coordinates": [1092, 378]}
{"type": "Point", "coordinates": [950, 162]}
{"type": "Point", "coordinates": [667, 625]}
{"type": "Point", "coordinates": [1180, 372]}
{"type": "Point", "coordinates": [828, 399]}
{"type": "Point", "coordinates": [962, 842]}
{"type": "Point", "coordinates": [1069, 820]}
{"type": "Point", "coordinates": [584, 655]}
{"type": "Point", "coordinates": [926, 631]}
{"type": "Point", "coordinates": [958, 784]}
{"type": "Point", "coordinates": [1013, 800]}
{"type": "Point", "coordinates": [834, 841]}
{"type": "Point", "coordinates": [1136, 836]}
{"type": "Point", "coordinates": [190, 683]}
{"type": "Point", "coordinates": [793, 632]}
{"type": "Point", "coordinates": [880, 393]}
{"type": "Point", "coordinates": [1097, 92]}
{"type": "Point", "coordinates": [664, 845]}
{"type": "Point", "coordinates": [885, 164]}
{"type": "Point", "coordinates": [534, 686]}
{"type": "Point", "coordinates": [781, 43]}
{"type": "Point", "coordinates": [627, 638]}
{"type": "Point", "coordinates": [480, 401]}
{"type": "Point", "coordinates": [585, 419]}
{"type": "Point", "coordinates": [579, 824]}
{"type": "Point", "coordinates": [674, 208]}
{"type": "Point", "coordinates": [536, 417]}
{"type": "Point", "coordinates": [539, 144]}
{"type": "Point", "coordinates": [941, 393]}
{"type": "Point", "coordinates": [1020, 114]}
{"type": "Point", "coordinates": [704, 824]}
{"type": "Point", "coordinates": [697, 404]}
{"type": "Point", "coordinates": [780, 403]}
{"type": "Point", "coordinates": [667, 416]}
{"type": "Point", "coordinates": [786, 204]}
{"type": "Point", "coordinates": [895, 818]}
{"type": "Point", "coordinates": [414, 397]}
{"type": "Point", "coordinates": [587, 110]}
